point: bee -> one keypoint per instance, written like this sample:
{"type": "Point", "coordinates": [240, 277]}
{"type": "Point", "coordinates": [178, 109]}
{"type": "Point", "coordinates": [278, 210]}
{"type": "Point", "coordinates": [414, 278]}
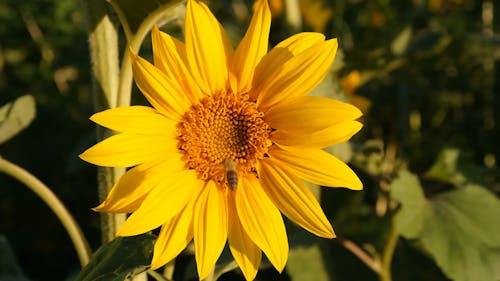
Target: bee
{"type": "Point", "coordinates": [231, 173]}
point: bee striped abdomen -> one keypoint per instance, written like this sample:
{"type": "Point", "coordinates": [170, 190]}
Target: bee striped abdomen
{"type": "Point", "coordinates": [231, 173]}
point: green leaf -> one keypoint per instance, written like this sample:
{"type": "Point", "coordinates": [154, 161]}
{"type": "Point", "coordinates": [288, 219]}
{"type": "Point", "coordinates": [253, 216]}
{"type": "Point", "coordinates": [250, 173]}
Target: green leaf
{"type": "Point", "coordinates": [415, 211]}
{"type": "Point", "coordinates": [400, 43]}
{"type": "Point", "coordinates": [462, 235]}
{"type": "Point", "coordinates": [15, 116]}
{"type": "Point", "coordinates": [343, 151]}
{"type": "Point", "coordinates": [458, 228]}
{"type": "Point", "coordinates": [330, 87]}
{"type": "Point", "coordinates": [429, 42]}
{"type": "Point", "coordinates": [120, 258]}
{"type": "Point", "coordinates": [134, 12]}
{"type": "Point", "coordinates": [445, 167]}
{"type": "Point", "coordinates": [306, 263]}
{"type": "Point", "coordinates": [450, 167]}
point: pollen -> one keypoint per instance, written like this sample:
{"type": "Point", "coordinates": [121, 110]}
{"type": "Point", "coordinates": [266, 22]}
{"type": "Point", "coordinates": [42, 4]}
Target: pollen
{"type": "Point", "coordinates": [220, 127]}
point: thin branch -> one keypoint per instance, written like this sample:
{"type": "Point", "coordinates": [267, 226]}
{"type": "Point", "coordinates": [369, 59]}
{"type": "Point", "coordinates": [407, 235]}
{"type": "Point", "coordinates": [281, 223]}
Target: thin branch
{"type": "Point", "coordinates": [360, 254]}
{"type": "Point", "coordinates": [50, 199]}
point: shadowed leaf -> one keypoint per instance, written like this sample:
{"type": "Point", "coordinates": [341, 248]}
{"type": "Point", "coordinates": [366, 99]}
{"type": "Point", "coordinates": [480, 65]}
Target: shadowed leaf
{"type": "Point", "coordinates": [15, 116]}
{"type": "Point", "coordinates": [120, 258]}
{"type": "Point", "coordinates": [459, 228]}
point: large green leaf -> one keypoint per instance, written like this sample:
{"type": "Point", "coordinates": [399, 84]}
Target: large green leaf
{"type": "Point", "coordinates": [16, 116]}
{"type": "Point", "coordinates": [414, 211]}
{"type": "Point", "coordinates": [458, 228]}
{"type": "Point", "coordinates": [120, 258]}
{"type": "Point", "coordinates": [306, 263]}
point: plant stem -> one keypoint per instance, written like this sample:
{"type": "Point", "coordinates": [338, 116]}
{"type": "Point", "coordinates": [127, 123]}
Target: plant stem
{"type": "Point", "coordinates": [228, 267]}
{"type": "Point", "coordinates": [169, 11]}
{"type": "Point", "coordinates": [360, 254]}
{"type": "Point", "coordinates": [390, 247]}
{"type": "Point", "coordinates": [51, 200]}
{"type": "Point", "coordinates": [211, 276]}
{"type": "Point", "coordinates": [103, 43]}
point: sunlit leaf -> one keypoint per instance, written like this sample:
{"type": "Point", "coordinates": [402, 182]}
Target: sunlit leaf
{"type": "Point", "coordinates": [445, 167]}
{"type": "Point", "coordinates": [343, 151]}
{"type": "Point", "coordinates": [414, 211]}
{"type": "Point", "coordinates": [330, 87]}
{"type": "Point", "coordinates": [120, 258]}
{"type": "Point", "coordinates": [458, 228]}
{"type": "Point", "coordinates": [400, 43]}
{"type": "Point", "coordinates": [339, 61]}
{"type": "Point", "coordinates": [16, 116]}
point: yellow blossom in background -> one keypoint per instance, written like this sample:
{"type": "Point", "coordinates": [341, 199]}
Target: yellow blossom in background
{"type": "Point", "coordinates": [227, 143]}
{"type": "Point", "coordinates": [437, 6]}
{"type": "Point", "coordinates": [316, 14]}
{"type": "Point", "coordinates": [276, 7]}
{"type": "Point", "coordinates": [377, 18]}
{"type": "Point", "coordinates": [350, 83]}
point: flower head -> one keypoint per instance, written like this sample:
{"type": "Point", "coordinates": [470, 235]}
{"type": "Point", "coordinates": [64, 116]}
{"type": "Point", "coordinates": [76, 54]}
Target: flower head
{"type": "Point", "coordinates": [227, 143]}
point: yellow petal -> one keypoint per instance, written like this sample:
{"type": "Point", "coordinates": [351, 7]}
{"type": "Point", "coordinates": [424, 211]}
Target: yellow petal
{"type": "Point", "coordinates": [298, 76]}
{"type": "Point", "coordinates": [320, 139]}
{"type": "Point", "coordinates": [140, 120]}
{"type": "Point", "coordinates": [163, 202]}
{"type": "Point", "coordinates": [174, 236]}
{"type": "Point", "coordinates": [262, 221]}
{"type": "Point", "coordinates": [282, 53]}
{"type": "Point", "coordinates": [208, 48]}
{"type": "Point", "coordinates": [126, 150]}
{"type": "Point", "coordinates": [170, 57]}
{"type": "Point", "coordinates": [294, 199]}
{"type": "Point", "coordinates": [210, 228]}
{"type": "Point", "coordinates": [130, 190]}
{"type": "Point", "coordinates": [251, 49]}
{"type": "Point", "coordinates": [163, 94]}
{"type": "Point", "coordinates": [316, 166]}
{"type": "Point", "coordinates": [246, 254]}
{"type": "Point", "coordinates": [304, 115]}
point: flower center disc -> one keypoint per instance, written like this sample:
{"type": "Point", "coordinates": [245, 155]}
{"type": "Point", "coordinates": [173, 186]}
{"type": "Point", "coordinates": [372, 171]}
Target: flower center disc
{"type": "Point", "coordinates": [225, 126]}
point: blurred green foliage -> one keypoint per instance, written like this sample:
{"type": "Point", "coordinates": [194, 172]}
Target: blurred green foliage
{"type": "Point", "coordinates": [427, 75]}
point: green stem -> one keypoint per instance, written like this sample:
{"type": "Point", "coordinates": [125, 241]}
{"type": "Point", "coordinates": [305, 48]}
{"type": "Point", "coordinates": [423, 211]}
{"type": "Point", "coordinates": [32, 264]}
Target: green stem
{"type": "Point", "coordinates": [103, 43]}
{"type": "Point", "coordinates": [390, 247]}
{"type": "Point", "coordinates": [50, 199]}
{"type": "Point", "coordinates": [168, 272]}
{"type": "Point", "coordinates": [168, 11]}
{"type": "Point", "coordinates": [228, 267]}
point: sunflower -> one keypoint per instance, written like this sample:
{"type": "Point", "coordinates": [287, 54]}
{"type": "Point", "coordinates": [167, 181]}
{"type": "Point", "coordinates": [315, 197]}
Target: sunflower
{"type": "Point", "coordinates": [229, 140]}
